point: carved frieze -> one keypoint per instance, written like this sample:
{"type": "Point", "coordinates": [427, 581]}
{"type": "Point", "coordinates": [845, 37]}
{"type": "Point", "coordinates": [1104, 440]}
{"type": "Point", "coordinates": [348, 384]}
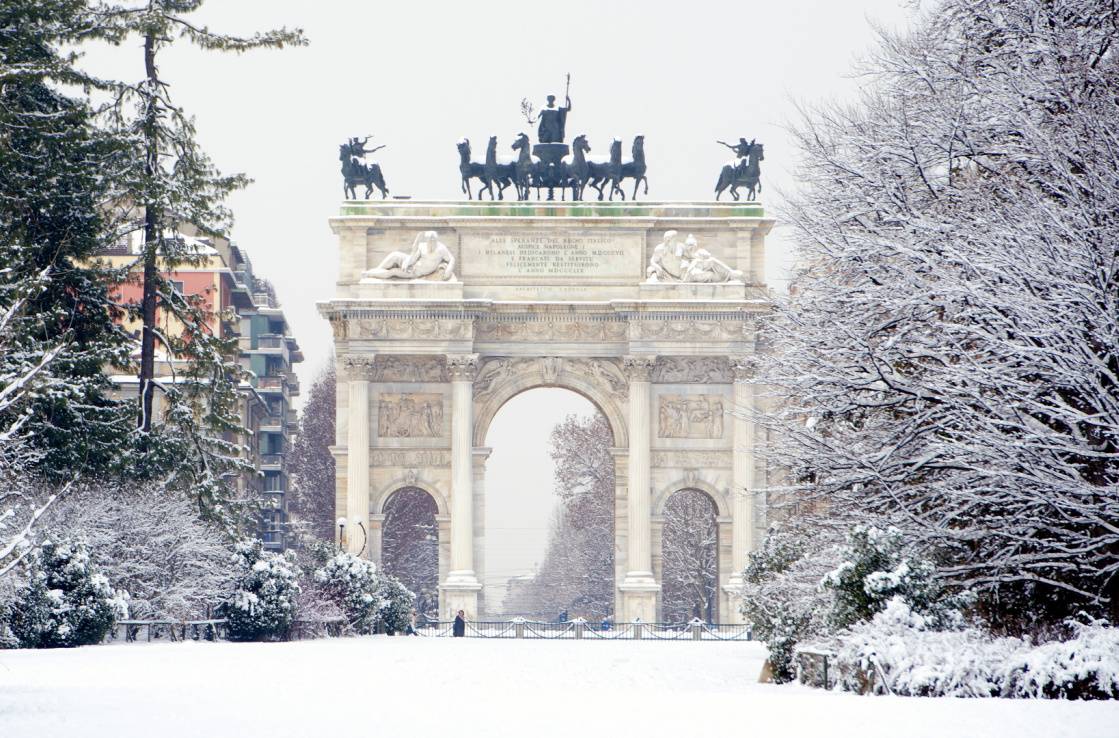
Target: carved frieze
{"type": "Point", "coordinates": [692, 459]}
{"type": "Point", "coordinates": [687, 330]}
{"type": "Point", "coordinates": [691, 416]}
{"type": "Point", "coordinates": [412, 327]}
{"type": "Point", "coordinates": [411, 458]}
{"type": "Point", "coordinates": [552, 330]}
{"type": "Point", "coordinates": [692, 370]}
{"type": "Point", "coordinates": [411, 415]}
{"type": "Point", "coordinates": [359, 366]}
{"type": "Point", "coordinates": [745, 368]}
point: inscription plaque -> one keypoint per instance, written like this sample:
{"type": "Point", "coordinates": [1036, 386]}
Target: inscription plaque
{"type": "Point", "coordinates": [541, 256]}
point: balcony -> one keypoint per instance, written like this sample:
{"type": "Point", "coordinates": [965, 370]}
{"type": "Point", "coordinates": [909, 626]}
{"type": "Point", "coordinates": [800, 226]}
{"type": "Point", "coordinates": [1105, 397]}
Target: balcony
{"type": "Point", "coordinates": [272, 462]}
{"type": "Point", "coordinates": [270, 384]}
{"type": "Point", "coordinates": [264, 300]}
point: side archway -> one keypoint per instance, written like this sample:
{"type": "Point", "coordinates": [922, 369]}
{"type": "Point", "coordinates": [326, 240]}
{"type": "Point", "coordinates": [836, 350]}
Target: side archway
{"type": "Point", "coordinates": [410, 545]}
{"type": "Point", "coordinates": [690, 556]}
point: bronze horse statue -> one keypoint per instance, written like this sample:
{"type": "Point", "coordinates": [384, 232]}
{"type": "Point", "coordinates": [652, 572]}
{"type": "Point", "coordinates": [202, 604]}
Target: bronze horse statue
{"type": "Point", "coordinates": [470, 170]}
{"type": "Point", "coordinates": [635, 169]}
{"type": "Point", "coordinates": [355, 173]}
{"type": "Point", "coordinates": [495, 173]}
{"type": "Point", "coordinates": [610, 172]}
{"type": "Point", "coordinates": [747, 173]}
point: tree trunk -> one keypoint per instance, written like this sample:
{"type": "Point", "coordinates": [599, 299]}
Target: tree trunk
{"type": "Point", "coordinates": [151, 247]}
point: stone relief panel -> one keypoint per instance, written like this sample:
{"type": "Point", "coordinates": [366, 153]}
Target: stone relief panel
{"type": "Point", "coordinates": [692, 370]}
{"type": "Point", "coordinates": [418, 458]}
{"type": "Point", "coordinates": [691, 416]}
{"type": "Point", "coordinates": [410, 415]}
{"type": "Point", "coordinates": [413, 327]}
{"type": "Point", "coordinates": [409, 369]}
{"type": "Point", "coordinates": [552, 330]}
{"type": "Point", "coordinates": [693, 459]}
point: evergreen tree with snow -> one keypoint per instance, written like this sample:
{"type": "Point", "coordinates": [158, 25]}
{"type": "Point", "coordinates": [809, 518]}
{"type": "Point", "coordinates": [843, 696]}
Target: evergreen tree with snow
{"type": "Point", "coordinates": [66, 602]}
{"type": "Point", "coordinates": [56, 168]}
{"type": "Point", "coordinates": [165, 183]}
{"type": "Point", "coordinates": [263, 603]}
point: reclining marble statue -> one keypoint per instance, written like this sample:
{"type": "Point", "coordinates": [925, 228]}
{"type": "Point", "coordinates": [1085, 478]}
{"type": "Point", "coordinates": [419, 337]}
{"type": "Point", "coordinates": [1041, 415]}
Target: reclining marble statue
{"type": "Point", "coordinates": [427, 257]}
{"type": "Point", "coordinates": [672, 261]}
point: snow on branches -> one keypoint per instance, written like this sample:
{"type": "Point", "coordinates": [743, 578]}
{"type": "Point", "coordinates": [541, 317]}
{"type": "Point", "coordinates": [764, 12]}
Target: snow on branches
{"type": "Point", "coordinates": [949, 356]}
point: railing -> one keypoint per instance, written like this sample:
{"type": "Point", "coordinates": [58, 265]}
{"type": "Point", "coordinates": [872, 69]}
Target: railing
{"type": "Point", "coordinates": [270, 342]}
{"type": "Point", "coordinates": [581, 630]}
{"type": "Point", "coordinates": [130, 631]}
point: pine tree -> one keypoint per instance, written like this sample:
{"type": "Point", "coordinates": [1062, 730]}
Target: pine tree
{"type": "Point", "coordinates": [54, 181]}
{"type": "Point", "coordinates": [167, 183]}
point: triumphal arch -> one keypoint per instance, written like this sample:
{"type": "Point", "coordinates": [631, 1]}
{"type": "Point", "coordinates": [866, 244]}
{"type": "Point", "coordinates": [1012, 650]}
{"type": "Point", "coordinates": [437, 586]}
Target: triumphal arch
{"type": "Point", "coordinates": [446, 310]}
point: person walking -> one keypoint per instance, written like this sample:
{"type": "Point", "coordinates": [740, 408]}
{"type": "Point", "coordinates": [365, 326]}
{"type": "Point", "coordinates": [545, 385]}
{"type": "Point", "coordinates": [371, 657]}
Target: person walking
{"type": "Point", "coordinates": [459, 629]}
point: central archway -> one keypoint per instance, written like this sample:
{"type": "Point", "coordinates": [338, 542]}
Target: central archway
{"type": "Point", "coordinates": [602, 383]}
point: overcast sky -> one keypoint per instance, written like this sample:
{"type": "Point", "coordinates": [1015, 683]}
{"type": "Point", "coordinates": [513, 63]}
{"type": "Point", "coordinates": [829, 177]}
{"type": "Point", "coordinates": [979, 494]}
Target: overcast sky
{"type": "Point", "coordinates": [421, 74]}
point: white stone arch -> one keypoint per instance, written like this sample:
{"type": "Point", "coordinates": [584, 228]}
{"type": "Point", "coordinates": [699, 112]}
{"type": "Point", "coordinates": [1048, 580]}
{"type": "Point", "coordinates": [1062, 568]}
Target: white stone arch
{"type": "Point", "coordinates": [718, 497]}
{"type": "Point", "coordinates": [401, 483]}
{"type": "Point", "coordinates": [527, 377]}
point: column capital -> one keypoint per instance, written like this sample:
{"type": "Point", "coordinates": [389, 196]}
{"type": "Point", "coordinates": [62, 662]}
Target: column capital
{"type": "Point", "coordinates": [462, 367]}
{"type": "Point", "coordinates": [745, 368]}
{"type": "Point", "coordinates": [359, 366]}
{"type": "Point", "coordinates": [639, 368]}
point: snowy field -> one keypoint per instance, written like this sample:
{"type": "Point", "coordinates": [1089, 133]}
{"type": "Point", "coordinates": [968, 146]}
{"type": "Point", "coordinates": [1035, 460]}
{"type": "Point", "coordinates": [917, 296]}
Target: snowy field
{"type": "Point", "coordinates": [383, 686]}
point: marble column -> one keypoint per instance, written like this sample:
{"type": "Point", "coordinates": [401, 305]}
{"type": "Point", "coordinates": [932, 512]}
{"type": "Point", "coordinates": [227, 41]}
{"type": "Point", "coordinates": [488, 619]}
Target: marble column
{"type": "Point", "coordinates": [461, 586]}
{"type": "Point", "coordinates": [742, 501]}
{"type": "Point", "coordinates": [357, 459]}
{"type": "Point", "coordinates": [639, 588]}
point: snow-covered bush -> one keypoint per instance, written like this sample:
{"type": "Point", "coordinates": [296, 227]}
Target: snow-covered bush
{"type": "Point", "coordinates": [152, 543]}
{"type": "Point", "coordinates": [371, 601]}
{"type": "Point", "coordinates": [781, 596]}
{"type": "Point", "coordinates": [898, 652]}
{"type": "Point", "coordinates": [263, 603]}
{"type": "Point", "coordinates": [66, 601]}
{"type": "Point", "coordinates": [352, 582]}
{"type": "Point", "coordinates": [396, 604]}
{"type": "Point", "coordinates": [878, 566]}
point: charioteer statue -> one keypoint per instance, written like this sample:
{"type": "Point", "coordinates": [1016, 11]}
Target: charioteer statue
{"type": "Point", "coordinates": [745, 172]}
{"type": "Point", "coordinates": [355, 171]}
{"type": "Point", "coordinates": [550, 164]}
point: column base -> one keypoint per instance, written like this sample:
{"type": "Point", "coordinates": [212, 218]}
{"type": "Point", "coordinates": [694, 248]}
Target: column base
{"type": "Point", "coordinates": [459, 592]}
{"type": "Point", "coordinates": [732, 594]}
{"type": "Point", "coordinates": [639, 596]}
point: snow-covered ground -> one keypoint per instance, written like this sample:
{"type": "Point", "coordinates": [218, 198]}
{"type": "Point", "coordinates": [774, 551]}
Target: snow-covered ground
{"type": "Point", "coordinates": [470, 687]}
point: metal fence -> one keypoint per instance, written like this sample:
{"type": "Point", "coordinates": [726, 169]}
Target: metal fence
{"type": "Point", "coordinates": [579, 630]}
{"type": "Point", "coordinates": [130, 631]}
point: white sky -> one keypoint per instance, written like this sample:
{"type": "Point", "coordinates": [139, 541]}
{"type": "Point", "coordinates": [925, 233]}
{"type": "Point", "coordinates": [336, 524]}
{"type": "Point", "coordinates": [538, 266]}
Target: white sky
{"type": "Point", "coordinates": [423, 73]}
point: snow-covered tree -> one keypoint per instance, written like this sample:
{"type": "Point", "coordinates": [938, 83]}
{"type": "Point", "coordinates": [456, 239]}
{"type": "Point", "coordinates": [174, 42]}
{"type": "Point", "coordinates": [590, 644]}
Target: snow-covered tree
{"type": "Point", "coordinates": [949, 357]}
{"type": "Point", "coordinates": [66, 601]}
{"type": "Point", "coordinates": [352, 582]}
{"type": "Point", "coordinates": [396, 604]}
{"type": "Point", "coordinates": [164, 183]}
{"type": "Point", "coordinates": [782, 598]}
{"type": "Point", "coordinates": [311, 500]}
{"type": "Point", "coordinates": [577, 574]}
{"type": "Point", "coordinates": [151, 543]}
{"type": "Point", "coordinates": [55, 166]}
{"type": "Point", "coordinates": [690, 558]}
{"type": "Point", "coordinates": [879, 566]}
{"type": "Point", "coordinates": [263, 603]}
